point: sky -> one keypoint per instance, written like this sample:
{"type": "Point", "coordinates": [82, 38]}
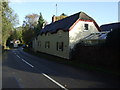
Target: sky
{"type": "Point", "coordinates": [101, 12]}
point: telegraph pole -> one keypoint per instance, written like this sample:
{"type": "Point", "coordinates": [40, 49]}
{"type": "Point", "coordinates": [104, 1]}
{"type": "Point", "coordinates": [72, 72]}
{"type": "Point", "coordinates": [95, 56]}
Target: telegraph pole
{"type": "Point", "coordinates": [56, 9]}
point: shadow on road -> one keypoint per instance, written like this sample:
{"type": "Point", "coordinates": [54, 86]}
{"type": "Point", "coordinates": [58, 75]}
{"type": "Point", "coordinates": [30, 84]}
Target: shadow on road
{"type": "Point", "coordinates": [61, 72]}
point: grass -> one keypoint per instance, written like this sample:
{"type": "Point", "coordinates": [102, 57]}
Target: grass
{"type": "Point", "coordinates": [7, 48]}
{"type": "Point", "coordinates": [72, 63]}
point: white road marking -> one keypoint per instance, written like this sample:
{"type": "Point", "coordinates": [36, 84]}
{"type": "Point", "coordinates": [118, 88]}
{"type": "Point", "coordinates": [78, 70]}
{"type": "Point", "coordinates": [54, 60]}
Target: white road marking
{"type": "Point", "coordinates": [54, 81]}
{"type": "Point", "coordinates": [45, 75]}
{"type": "Point", "coordinates": [27, 63]}
{"type": "Point", "coordinates": [18, 56]}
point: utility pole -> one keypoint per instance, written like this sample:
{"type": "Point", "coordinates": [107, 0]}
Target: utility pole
{"type": "Point", "coordinates": [56, 9]}
{"type": "Point", "coordinates": [119, 11]}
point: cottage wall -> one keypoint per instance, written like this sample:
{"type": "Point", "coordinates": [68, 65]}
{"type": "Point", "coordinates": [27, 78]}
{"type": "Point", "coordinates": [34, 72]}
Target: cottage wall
{"type": "Point", "coordinates": [34, 45]}
{"type": "Point", "coordinates": [78, 32]}
{"type": "Point", "coordinates": [55, 44]}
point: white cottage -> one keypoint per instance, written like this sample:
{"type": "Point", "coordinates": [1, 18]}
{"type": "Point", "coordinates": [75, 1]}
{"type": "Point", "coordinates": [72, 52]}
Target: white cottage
{"type": "Point", "coordinates": [59, 37]}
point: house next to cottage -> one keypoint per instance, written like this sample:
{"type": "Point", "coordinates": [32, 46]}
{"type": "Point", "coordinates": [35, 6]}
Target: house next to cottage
{"type": "Point", "coordinates": [110, 26]}
{"type": "Point", "coordinates": [15, 43]}
{"type": "Point", "coordinates": [59, 37]}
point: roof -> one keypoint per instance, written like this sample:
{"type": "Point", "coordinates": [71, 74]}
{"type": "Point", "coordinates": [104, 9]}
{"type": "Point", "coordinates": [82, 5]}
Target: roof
{"type": "Point", "coordinates": [109, 27]}
{"type": "Point", "coordinates": [66, 23]}
{"type": "Point", "coordinates": [96, 36]}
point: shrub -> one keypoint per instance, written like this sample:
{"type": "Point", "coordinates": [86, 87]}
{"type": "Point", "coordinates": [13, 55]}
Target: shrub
{"type": "Point", "coordinates": [113, 38]}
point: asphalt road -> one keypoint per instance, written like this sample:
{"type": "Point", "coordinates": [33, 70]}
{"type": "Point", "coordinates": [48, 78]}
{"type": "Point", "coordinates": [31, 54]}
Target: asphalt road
{"type": "Point", "coordinates": [22, 70]}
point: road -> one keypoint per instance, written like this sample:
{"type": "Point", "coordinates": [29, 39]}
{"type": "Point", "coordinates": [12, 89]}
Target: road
{"type": "Point", "coordinates": [22, 70]}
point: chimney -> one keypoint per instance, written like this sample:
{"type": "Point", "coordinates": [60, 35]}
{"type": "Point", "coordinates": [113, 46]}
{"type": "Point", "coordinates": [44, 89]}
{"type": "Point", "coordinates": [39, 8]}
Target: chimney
{"type": "Point", "coordinates": [53, 18]}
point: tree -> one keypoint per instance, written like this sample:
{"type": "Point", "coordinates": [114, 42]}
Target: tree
{"type": "Point", "coordinates": [28, 27]}
{"type": "Point", "coordinates": [113, 38]}
{"type": "Point", "coordinates": [60, 17]}
{"type": "Point", "coordinates": [31, 20]}
{"type": "Point", "coordinates": [16, 34]}
{"type": "Point", "coordinates": [31, 26]}
{"type": "Point", "coordinates": [63, 14]}
{"type": "Point", "coordinates": [28, 35]}
{"type": "Point", "coordinates": [19, 33]}
{"type": "Point", "coordinates": [41, 23]}
{"type": "Point", "coordinates": [9, 20]}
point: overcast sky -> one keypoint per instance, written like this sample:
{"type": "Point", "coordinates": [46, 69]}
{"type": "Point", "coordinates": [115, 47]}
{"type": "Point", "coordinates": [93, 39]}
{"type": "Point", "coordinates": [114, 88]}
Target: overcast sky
{"type": "Point", "coordinates": [102, 12]}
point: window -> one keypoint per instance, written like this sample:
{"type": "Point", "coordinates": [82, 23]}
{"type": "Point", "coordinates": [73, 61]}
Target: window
{"type": "Point", "coordinates": [47, 44]}
{"type": "Point", "coordinates": [36, 38]}
{"type": "Point", "coordinates": [85, 26]}
{"type": "Point", "coordinates": [39, 43]}
{"type": "Point", "coordinates": [59, 46]}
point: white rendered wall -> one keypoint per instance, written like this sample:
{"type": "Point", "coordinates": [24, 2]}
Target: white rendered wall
{"type": "Point", "coordinates": [60, 36]}
{"type": "Point", "coordinates": [78, 32]}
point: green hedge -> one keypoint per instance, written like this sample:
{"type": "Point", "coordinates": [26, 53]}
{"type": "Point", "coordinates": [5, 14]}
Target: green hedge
{"type": "Point", "coordinates": [102, 56]}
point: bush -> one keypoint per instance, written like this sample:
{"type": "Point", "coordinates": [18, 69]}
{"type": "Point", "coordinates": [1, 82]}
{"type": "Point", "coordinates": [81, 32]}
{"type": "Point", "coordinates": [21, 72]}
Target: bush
{"type": "Point", "coordinates": [101, 56]}
{"type": "Point", "coordinates": [113, 38]}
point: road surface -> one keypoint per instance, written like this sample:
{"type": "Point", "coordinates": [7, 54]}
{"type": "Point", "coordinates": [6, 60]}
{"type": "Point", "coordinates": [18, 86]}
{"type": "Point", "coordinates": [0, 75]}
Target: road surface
{"type": "Point", "coordinates": [22, 70]}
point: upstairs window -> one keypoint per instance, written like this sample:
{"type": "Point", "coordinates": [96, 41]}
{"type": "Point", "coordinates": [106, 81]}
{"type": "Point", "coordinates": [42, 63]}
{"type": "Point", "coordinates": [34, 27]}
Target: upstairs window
{"type": "Point", "coordinates": [85, 26]}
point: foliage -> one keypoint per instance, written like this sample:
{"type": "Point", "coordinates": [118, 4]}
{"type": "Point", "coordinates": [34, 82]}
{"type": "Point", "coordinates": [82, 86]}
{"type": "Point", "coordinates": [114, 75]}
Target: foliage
{"type": "Point", "coordinates": [9, 20]}
{"type": "Point", "coordinates": [28, 35]}
{"type": "Point", "coordinates": [32, 26]}
{"type": "Point", "coordinates": [16, 34]}
{"type": "Point", "coordinates": [19, 32]}
{"type": "Point", "coordinates": [31, 20]}
{"type": "Point", "coordinates": [41, 23]}
{"type": "Point", "coordinates": [61, 16]}
{"type": "Point", "coordinates": [113, 38]}
{"type": "Point", "coordinates": [29, 25]}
